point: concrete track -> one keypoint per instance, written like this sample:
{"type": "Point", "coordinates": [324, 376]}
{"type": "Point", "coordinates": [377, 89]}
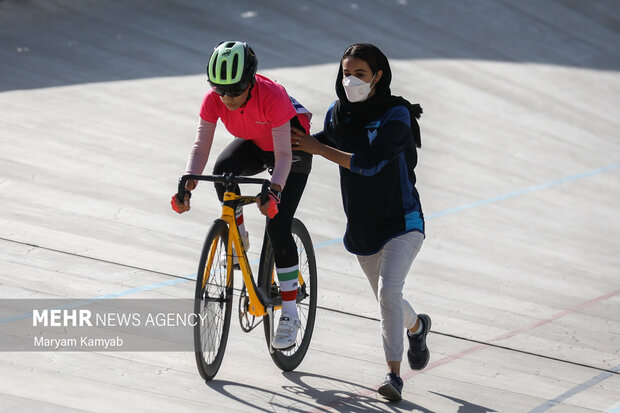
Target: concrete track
{"type": "Point", "coordinates": [518, 174]}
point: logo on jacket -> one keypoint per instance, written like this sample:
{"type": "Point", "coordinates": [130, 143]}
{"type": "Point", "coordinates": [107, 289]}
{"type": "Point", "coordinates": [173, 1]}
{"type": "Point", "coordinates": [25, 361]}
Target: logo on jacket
{"type": "Point", "coordinates": [372, 130]}
{"type": "Point", "coordinates": [372, 134]}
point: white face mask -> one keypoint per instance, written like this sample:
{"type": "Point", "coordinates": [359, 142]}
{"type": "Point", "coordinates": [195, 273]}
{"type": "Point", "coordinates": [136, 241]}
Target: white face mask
{"type": "Point", "coordinates": [356, 89]}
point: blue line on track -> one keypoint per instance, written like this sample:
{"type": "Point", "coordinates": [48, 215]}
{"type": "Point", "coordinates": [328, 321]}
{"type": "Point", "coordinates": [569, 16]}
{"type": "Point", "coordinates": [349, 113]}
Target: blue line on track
{"type": "Point", "coordinates": [334, 241]}
{"type": "Point", "coordinates": [524, 191]}
{"type": "Point", "coordinates": [576, 390]}
{"type": "Point", "coordinates": [487, 201]}
{"type": "Point", "coordinates": [103, 297]}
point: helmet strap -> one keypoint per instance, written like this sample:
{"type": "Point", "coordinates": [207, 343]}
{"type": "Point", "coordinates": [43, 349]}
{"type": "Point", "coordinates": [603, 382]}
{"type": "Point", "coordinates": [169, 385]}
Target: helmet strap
{"type": "Point", "coordinates": [249, 94]}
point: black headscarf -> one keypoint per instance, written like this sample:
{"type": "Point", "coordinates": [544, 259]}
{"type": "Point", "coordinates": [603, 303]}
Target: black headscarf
{"type": "Point", "coordinates": [350, 118]}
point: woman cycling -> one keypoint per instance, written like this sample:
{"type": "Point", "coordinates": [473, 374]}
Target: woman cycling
{"type": "Point", "coordinates": [373, 136]}
{"type": "Point", "coordinates": [259, 113]}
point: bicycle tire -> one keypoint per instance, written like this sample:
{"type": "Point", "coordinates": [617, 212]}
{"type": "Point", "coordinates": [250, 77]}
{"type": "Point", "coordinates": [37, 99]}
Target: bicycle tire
{"type": "Point", "coordinates": [213, 303]}
{"type": "Point", "coordinates": [288, 360]}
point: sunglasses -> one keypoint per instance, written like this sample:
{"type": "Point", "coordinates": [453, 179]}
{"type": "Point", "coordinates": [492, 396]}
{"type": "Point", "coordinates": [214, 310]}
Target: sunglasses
{"type": "Point", "coordinates": [230, 90]}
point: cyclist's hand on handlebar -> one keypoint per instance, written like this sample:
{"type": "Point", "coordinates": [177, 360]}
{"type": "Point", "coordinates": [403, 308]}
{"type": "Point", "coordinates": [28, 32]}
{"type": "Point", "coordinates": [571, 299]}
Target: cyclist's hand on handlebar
{"type": "Point", "coordinates": [190, 185]}
{"type": "Point", "coordinates": [270, 208]}
{"type": "Point", "coordinates": [180, 207]}
{"type": "Point", "coordinates": [183, 207]}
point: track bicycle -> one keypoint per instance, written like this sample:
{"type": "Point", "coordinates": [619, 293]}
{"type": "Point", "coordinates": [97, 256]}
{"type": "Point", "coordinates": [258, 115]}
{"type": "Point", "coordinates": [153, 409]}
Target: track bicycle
{"type": "Point", "coordinates": [259, 301]}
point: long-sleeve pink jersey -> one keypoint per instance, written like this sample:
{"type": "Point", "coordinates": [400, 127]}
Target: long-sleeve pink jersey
{"type": "Point", "coordinates": [264, 120]}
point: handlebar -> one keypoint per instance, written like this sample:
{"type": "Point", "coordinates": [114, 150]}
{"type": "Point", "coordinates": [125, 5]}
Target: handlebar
{"type": "Point", "coordinates": [227, 179]}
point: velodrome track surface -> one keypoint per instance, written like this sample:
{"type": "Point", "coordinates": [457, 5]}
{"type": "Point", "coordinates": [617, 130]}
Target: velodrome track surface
{"type": "Point", "coordinates": [518, 174]}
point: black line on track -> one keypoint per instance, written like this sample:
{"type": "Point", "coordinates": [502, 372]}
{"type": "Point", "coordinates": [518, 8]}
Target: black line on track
{"type": "Point", "coordinates": [74, 254]}
{"type": "Point", "coordinates": [333, 310]}
{"type": "Point", "coordinates": [471, 340]}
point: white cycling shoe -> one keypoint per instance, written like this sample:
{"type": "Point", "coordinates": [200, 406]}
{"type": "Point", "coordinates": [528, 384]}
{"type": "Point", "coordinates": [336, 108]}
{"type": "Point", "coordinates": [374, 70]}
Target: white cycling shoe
{"type": "Point", "coordinates": [286, 333]}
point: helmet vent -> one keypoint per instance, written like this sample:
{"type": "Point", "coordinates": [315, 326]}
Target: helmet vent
{"type": "Point", "coordinates": [235, 64]}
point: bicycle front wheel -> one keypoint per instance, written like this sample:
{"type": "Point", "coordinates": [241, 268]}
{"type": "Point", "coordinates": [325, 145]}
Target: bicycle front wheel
{"type": "Point", "coordinates": [288, 360]}
{"type": "Point", "coordinates": [213, 302]}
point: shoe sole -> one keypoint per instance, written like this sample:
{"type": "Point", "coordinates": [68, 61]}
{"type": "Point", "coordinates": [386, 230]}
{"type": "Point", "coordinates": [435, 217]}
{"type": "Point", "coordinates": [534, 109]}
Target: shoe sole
{"type": "Point", "coordinates": [427, 319]}
{"type": "Point", "coordinates": [285, 348]}
{"type": "Point", "coordinates": [389, 392]}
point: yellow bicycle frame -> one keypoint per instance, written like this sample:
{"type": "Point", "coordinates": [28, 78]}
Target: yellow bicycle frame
{"type": "Point", "coordinates": [256, 308]}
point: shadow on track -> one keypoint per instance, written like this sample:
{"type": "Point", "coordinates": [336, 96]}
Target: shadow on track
{"type": "Point", "coordinates": [55, 43]}
{"type": "Point", "coordinates": [319, 393]}
{"type": "Point", "coordinates": [334, 395]}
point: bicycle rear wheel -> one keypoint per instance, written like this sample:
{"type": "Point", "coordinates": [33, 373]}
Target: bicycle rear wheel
{"type": "Point", "coordinates": [288, 360]}
{"type": "Point", "coordinates": [213, 302]}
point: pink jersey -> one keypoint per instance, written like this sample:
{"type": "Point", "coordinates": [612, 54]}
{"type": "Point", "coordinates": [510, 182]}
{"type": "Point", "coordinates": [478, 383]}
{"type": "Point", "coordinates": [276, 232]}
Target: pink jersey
{"type": "Point", "coordinates": [268, 108]}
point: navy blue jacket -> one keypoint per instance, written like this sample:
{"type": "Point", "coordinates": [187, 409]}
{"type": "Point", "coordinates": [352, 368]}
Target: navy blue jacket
{"type": "Point", "coordinates": [378, 193]}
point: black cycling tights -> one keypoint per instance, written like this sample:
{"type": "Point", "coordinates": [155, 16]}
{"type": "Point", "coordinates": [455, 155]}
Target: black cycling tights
{"type": "Point", "coordinates": [244, 158]}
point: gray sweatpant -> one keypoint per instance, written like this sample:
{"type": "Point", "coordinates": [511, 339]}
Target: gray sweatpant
{"type": "Point", "coordinates": [386, 271]}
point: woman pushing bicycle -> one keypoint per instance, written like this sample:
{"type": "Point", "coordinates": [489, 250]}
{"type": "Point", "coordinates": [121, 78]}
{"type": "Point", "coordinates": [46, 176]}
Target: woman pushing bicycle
{"type": "Point", "coordinates": [373, 136]}
{"type": "Point", "coordinates": [259, 113]}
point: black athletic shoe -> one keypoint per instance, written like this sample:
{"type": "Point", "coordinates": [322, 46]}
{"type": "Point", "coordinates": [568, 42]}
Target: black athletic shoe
{"type": "Point", "coordinates": [391, 388]}
{"type": "Point", "coordinates": [418, 354]}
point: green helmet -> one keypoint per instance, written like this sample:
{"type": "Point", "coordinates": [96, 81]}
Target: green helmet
{"type": "Point", "coordinates": [232, 64]}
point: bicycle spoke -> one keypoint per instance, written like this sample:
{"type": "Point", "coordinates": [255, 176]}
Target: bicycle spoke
{"type": "Point", "coordinates": [212, 305]}
{"type": "Point", "coordinates": [215, 304]}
